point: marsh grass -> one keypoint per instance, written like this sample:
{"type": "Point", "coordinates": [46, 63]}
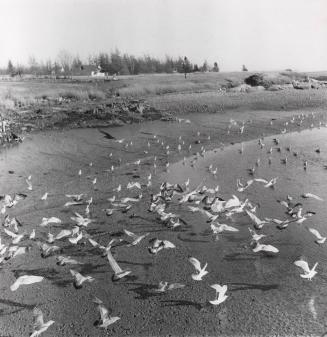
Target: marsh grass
{"type": "Point", "coordinates": [199, 92]}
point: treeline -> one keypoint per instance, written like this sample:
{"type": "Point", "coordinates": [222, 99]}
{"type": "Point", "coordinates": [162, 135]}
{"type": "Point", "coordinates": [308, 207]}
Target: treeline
{"type": "Point", "coordinates": [111, 63]}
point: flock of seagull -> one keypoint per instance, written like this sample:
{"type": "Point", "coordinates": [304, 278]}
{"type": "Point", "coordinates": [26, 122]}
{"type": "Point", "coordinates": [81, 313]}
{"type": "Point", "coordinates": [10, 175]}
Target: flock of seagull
{"type": "Point", "coordinates": [216, 210]}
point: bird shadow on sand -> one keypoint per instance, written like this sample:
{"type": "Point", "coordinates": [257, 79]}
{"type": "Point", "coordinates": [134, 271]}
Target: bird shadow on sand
{"type": "Point", "coordinates": [252, 286]}
{"type": "Point", "coordinates": [240, 257]}
{"type": "Point", "coordinates": [144, 291]}
{"type": "Point", "coordinates": [146, 266]}
{"type": "Point", "coordinates": [177, 303]}
{"type": "Point", "coordinates": [19, 306]}
{"type": "Point", "coordinates": [184, 239]}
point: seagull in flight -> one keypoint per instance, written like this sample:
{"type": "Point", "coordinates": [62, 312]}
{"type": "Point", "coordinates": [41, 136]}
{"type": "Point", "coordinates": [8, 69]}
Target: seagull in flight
{"type": "Point", "coordinates": [25, 280]}
{"type": "Point", "coordinates": [310, 195]}
{"type": "Point", "coordinates": [258, 223]}
{"type": "Point", "coordinates": [320, 239]}
{"type": "Point", "coordinates": [118, 272]}
{"type": "Point", "coordinates": [39, 326]}
{"type": "Point", "coordinates": [158, 245]}
{"type": "Point", "coordinates": [79, 279]}
{"type": "Point", "coordinates": [308, 273]}
{"type": "Point", "coordinates": [265, 248]}
{"type": "Point", "coordinates": [201, 271]}
{"type": "Point", "coordinates": [136, 238]}
{"type": "Point", "coordinates": [220, 294]}
{"type": "Point", "coordinates": [105, 318]}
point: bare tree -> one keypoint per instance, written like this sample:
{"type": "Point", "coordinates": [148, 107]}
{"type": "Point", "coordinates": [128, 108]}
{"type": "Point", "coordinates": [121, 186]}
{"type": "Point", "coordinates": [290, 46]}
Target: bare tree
{"type": "Point", "coordinates": [33, 64]}
{"type": "Point", "coordinates": [65, 60]}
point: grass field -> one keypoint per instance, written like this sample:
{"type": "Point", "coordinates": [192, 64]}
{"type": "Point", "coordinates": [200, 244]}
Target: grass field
{"type": "Point", "coordinates": [169, 92]}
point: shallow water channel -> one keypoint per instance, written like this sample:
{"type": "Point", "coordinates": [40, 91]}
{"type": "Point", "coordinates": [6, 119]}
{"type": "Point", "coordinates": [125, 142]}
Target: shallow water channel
{"type": "Point", "coordinates": [260, 287]}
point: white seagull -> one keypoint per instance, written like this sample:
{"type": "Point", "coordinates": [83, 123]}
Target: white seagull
{"type": "Point", "coordinates": [136, 238]}
{"type": "Point", "coordinates": [105, 318]}
{"type": "Point", "coordinates": [220, 294]}
{"type": "Point", "coordinates": [118, 272]}
{"type": "Point", "coordinates": [25, 280]}
{"type": "Point", "coordinates": [265, 248]}
{"type": "Point", "coordinates": [201, 271]}
{"type": "Point", "coordinates": [79, 279]}
{"type": "Point", "coordinates": [39, 326]}
{"type": "Point", "coordinates": [320, 239]}
{"type": "Point", "coordinates": [308, 273]}
{"type": "Point", "coordinates": [258, 223]}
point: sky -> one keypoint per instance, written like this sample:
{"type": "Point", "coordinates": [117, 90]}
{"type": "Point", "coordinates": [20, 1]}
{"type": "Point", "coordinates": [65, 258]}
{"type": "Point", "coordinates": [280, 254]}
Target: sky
{"type": "Point", "coordinates": [262, 34]}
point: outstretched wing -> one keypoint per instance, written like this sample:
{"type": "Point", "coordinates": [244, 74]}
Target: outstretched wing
{"type": "Point", "coordinates": [303, 264]}
{"type": "Point", "coordinates": [253, 217]}
{"type": "Point", "coordinates": [103, 312]}
{"type": "Point", "coordinates": [315, 233]}
{"type": "Point", "coordinates": [38, 318]}
{"type": "Point", "coordinates": [131, 234]}
{"type": "Point", "coordinates": [196, 263]}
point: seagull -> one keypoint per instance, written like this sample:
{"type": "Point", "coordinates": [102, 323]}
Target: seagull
{"type": "Point", "coordinates": [47, 221]}
{"type": "Point", "coordinates": [30, 186]}
{"type": "Point", "coordinates": [220, 294]}
{"type": "Point", "coordinates": [45, 196]}
{"type": "Point", "coordinates": [258, 223]}
{"type": "Point", "coordinates": [158, 245]}
{"type": "Point", "coordinates": [75, 240]}
{"type": "Point", "coordinates": [32, 235]}
{"type": "Point", "coordinates": [25, 280]}
{"type": "Point", "coordinates": [73, 203]}
{"type": "Point", "coordinates": [81, 221]}
{"type": "Point", "coordinates": [118, 189]}
{"type": "Point", "coordinates": [79, 279]}
{"type": "Point", "coordinates": [105, 318]}
{"type": "Point", "coordinates": [255, 237]}
{"type": "Point", "coordinates": [134, 184]}
{"type": "Point", "coordinates": [308, 273]}
{"type": "Point", "coordinates": [63, 260]}
{"type": "Point", "coordinates": [201, 271]}
{"type": "Point", "coordinates": [16, 237]}
{"type": "Point", "coordinates": [320, 239]}
{"type": "Point", "coordinates": [118, 272]}
{"type": "Point", "coordinates": [17, 250]}
{"type": "Point", "coordinates": [310, 195]}
{"type": "Point", "coordinates": [47, 250]}
{"type": "Point", "coordinates": [39, 326]}
{"type": "Point", "coordinates": [267, 183]}
{"type": "Point", "coordinates": [265, 248]}
{"type": "Point", "coordinates": [136, 238]}
{"type": "Point", "coordinates": [67, 232]}
{"type": "Point", "coordinates": [219, 228]}
{"type": "Point", "coordinates": [241, 187]}
{"type": "Point", "coordinates": [75, 197]}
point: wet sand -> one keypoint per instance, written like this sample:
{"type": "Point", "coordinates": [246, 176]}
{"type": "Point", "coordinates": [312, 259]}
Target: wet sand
{"type": "Point", "coordinates": [260, 288]}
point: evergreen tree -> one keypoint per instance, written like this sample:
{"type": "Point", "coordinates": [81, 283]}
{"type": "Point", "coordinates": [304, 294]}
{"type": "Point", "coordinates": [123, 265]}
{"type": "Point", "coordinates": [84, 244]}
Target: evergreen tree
{"type": "Point", "coordinates": [10, 69]}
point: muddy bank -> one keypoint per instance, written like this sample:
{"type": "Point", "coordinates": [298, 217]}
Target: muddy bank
{"type": "Point", "coordinates": [65, 113]}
